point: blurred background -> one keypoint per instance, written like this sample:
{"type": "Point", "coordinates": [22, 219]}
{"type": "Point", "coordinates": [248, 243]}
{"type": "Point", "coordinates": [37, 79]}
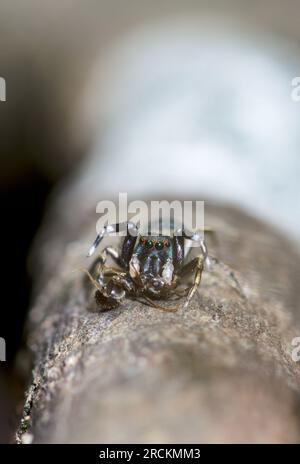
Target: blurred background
{"type": "Point", "coordinates": [164, 96]}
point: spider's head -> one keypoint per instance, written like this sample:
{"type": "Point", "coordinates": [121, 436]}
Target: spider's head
{"type": "Point", "coordinates": [153, 261]}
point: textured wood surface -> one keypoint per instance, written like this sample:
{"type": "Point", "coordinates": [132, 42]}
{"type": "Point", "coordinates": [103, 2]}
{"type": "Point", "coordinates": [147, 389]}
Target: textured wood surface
{"type": "Point", "coordinates": [218, 371]}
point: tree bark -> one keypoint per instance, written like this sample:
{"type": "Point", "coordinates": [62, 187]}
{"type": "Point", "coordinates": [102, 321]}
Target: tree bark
{"type": "Point", "coordinates": [219, 371]}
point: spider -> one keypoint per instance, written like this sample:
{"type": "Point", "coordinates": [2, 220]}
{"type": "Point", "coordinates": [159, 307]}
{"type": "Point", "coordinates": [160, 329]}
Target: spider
{"type": "Point", "coordinates": [150, 267]}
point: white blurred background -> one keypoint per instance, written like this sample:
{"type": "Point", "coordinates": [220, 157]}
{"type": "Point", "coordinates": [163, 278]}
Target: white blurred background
{"type": "Point", "coordinates": [191, 96]}
{"type": "Point", "coordinates": [196, 106]}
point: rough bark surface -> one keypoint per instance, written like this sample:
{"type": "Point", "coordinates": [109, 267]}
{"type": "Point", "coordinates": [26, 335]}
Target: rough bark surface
{"type": "Point", "coordinates": [219, 371]}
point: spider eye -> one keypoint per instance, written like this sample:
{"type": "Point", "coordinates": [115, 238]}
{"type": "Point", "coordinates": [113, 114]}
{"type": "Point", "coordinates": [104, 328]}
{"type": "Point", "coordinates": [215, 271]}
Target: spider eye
{"type": "Point", "coordinates": [159, 245]}
{"type": "Point", "coordinates": [149, 244]}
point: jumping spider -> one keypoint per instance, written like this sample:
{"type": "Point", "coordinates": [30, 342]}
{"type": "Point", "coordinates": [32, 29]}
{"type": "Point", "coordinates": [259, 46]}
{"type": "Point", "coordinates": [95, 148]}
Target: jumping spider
{"type": "Point", "coordinates": [149, 267]}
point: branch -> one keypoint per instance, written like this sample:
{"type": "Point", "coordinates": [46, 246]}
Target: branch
{"type": "Point", "coordinates": [219, 371]}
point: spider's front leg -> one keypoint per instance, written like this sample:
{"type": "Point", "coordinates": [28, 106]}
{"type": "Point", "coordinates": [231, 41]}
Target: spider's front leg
{"type": "Point", "coordinates": [197, 266]}
{"type": "Point", "coordinates": [197, 279]}
{"type": "Point", "coordinates": [130, 227]}
{"type": "Point", "coordinates": [197, 238]}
